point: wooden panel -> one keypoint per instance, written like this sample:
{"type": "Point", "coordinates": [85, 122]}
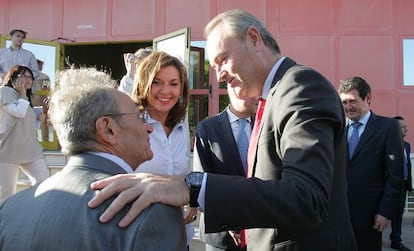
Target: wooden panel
{"type": "Point", "coordinates": [370, 57]}
{"type": "Point", "coordinates": [84, 18]}
{"type": "Point", "coordinates": [176, 19]}
{"type": "Point", "coordinates": [133, 17]}
{"type": "Point", "coordinates": [312, 51]}
{"type": "Point", "coordinates": [357, 15]}
{"type": "Point", "coordinates": [306, 16]}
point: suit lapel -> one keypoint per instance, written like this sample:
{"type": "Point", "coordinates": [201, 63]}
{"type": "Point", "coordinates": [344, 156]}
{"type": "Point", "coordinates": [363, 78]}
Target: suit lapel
{"type": "Point", "coordinates": [283, 68]}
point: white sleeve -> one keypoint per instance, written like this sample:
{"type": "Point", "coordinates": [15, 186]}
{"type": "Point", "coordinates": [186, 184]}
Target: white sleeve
{"type": "Point", "coordinates": [18, 109]}
{"type": "Point", "coordinates": [126, 85]}
{"type": "Point", "coordinates": [202, 195]}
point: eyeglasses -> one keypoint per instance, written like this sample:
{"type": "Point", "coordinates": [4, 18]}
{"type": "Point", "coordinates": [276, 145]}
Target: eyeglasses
{"type": "Point", "coordinates": [24, 76]}
{"type": "Point", "coordinates": [20, 36]}
{"type": "Point", "coordinates": [144, 116]}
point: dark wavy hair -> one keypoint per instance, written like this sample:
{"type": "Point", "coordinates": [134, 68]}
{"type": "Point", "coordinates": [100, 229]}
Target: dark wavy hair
{"type": "Point", "coordinates": [12, 75]}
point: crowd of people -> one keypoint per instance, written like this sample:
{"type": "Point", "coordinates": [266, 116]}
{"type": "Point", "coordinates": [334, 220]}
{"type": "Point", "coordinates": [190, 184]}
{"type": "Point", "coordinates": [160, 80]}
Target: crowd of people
{"type": "Point", "coordinates": [290, 164]}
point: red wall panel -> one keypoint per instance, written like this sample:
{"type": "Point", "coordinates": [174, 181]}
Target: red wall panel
{"type": "Point", "coordinates": [84, 19]}
{"type": "Point", "coordinates": [405, 16]}
{"type": "Point", "coordinates": [339, 38]}
{"type": "Point", "coordinates": [306, 49]}
{"type": "Point", "coordinates": [370, 57]}
{"type": "Point", "coordinates": [306, 16]}
{"type": "Point", "coordinates": [176, 19]}
{"type": "Point", "coordinates": [32, 17]}
{"type": "Point", "coordinates": [256, 7]}
{"type": "Point", "coordinates": [133, 17]}
{"type": "Point", "coordinates": [383, 103]}
{"type": "Point", "coordinates": [366, 15]}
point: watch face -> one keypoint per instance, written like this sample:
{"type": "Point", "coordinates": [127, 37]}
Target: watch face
{"type": "Point", "coordinates": [195, 178]}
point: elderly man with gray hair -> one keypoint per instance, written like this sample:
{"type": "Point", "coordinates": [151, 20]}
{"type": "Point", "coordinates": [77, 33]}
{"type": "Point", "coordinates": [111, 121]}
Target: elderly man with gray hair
{"type": "Point", "coordinates": [104, 133]}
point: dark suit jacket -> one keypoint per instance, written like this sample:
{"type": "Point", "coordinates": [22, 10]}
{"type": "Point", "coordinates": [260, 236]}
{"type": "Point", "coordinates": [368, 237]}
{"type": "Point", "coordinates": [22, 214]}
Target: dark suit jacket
{"type": "Point", "coordinates": [216, 152]}
{"type": "Point", "coordinates": [55, 216]}
{"type": "Point", "coordinates": [375, 173]}
{"type": "Point", "coordinates": [299, 187]}
{"type": "Point", "coordinates": [409, 185]}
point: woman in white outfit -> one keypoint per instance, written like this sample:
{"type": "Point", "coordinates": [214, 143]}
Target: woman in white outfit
{"type": "Point", "coordinates": [161, 87]}
{"type": "Point", "coordinates": [19, 147]}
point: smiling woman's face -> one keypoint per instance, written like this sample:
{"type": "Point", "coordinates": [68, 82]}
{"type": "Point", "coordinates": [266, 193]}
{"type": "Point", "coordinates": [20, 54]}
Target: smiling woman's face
{"type": "Point", "coordinates": [165, 91]}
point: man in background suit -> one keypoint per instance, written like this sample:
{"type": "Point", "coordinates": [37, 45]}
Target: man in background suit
{"type": "Point", "coordinates": [216, 151]}
{"type": "Point", "coordinates": [374, 167]}
{"type": "Point", "coordinates": [104, 134]}
{"type": "Point", "coordinates": [395, 235]}
{"type": "Point", "coordinates": [296, 197]}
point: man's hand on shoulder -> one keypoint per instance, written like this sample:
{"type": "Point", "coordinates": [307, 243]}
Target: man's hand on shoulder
{"type": "Point", "coordinates": [142, 189]}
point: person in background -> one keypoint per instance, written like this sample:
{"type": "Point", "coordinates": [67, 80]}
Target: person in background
{"type": "Point", "coordinates": [374, 164]}
{"type": "Point", "coordinates": [40, 93]}
{"type": "Point", "coordinates": [219, 148]}
{"type": "Point", "coordinates": [161, 88]}
{"type": "Point", "coordinates": [104, 133]}
{"type": "Point", "coordinates": [19, 148]}
{"type": "Point", "coordinates": [132, 62]}
{"type": "Point", "coordinates": [16, 55]}
{"type": "Point", "coordinates": [295, 195]}
{"type": "Point", "coordinates": [395, 235]}
{"type": "Point", "coordinates": [42, 82]}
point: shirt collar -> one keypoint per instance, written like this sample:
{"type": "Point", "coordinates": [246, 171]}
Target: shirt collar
{"type": "Point", "coordinates": [152, 122]}
{"type": "Point", "coordinates": [268, 82]}
{"type": "Point", "coordinates": [363, 120]}
{"type": "Point", "coordinates": [233, 117]}
{"type": "Point", "coordinates": [115, 159]}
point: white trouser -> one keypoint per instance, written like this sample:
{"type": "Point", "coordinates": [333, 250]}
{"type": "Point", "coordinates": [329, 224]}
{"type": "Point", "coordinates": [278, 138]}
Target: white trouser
{"type": "Point", "coordinates": [36, 171]}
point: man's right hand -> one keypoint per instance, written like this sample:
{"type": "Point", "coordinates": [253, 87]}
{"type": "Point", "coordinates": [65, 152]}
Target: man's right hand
{"type": "Point", "coordinates": [144, 188]}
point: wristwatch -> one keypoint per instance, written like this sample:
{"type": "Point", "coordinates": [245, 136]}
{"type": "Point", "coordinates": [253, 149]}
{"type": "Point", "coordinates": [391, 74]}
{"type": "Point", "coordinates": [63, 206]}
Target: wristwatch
{"type": "Point", "coordinates": [194, 180]}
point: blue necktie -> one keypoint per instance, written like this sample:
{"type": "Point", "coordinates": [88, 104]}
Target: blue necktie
{"type": "Point", "coordinates": [243, 141]}
{"type": "Point", "coordinates": [354, 139]}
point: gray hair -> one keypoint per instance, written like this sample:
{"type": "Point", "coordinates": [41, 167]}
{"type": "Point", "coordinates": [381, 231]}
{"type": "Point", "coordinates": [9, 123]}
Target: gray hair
{"type": "Point", "coordinates": [238, 22]}
{"type": "Point", "coordinates": [78, 99]}
{"type": "Point", "coordinates": [143, 53]}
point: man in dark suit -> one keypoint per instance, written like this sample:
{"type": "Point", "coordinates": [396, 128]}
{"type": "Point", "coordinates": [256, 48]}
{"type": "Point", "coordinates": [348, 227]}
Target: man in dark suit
{"type": "Point", "coordinates": [296, 197]}
{"type": "Point", "coordinates": [104, 134]}
{"type": "Point", "coordinates": [374, 164]}
{"type": "Point", "coordinates": [216, 151]}
{"type": "Point", "coordinates": [395, 235]}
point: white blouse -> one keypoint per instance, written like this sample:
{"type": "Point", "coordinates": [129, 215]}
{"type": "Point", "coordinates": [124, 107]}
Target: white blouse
{"type": "Point", "coordinates": [171, 154]}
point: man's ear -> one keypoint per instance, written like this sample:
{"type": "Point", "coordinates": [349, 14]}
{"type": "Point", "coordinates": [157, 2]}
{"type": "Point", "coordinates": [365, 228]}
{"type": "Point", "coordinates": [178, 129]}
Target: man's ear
{"type": "Point", "coordinates": [253, 36]}
{"type": "Point", "coordinates": [106, 130]}
{"type": "Point", "coordinates": [368, 98]}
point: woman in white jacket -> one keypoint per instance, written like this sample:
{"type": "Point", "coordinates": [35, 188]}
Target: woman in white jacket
{"type": "Point", "coordinates": [19, 147]}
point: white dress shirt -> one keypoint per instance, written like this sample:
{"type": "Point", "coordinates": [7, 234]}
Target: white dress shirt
{"type": "Point", "coordinates": [171, 154]}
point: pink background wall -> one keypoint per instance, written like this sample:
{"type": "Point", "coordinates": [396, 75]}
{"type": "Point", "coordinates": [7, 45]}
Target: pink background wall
{"type": "Point", "coordinates": [340, 38]}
